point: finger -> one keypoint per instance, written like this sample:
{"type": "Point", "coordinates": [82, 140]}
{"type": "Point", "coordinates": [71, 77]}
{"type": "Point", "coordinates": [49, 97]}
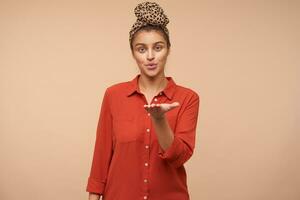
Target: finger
{"type": "Point", "coordinates": [146, 107]}
{"type": "Point", "coordinates": [175, 104]}
{"type": "Point", "coordinates": [157, 107]}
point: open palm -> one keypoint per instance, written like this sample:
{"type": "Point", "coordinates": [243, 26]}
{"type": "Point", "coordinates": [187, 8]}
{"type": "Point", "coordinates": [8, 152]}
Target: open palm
{"type": "Point", "coordinates": [158, 110]}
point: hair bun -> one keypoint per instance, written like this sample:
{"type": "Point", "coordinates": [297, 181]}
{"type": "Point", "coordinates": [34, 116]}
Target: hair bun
{"type": "Point", "coordinates": [151, 13]}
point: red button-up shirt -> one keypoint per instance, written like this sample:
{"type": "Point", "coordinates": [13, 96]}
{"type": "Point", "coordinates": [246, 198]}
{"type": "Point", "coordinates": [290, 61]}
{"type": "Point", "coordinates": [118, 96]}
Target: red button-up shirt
{"type": "Point", "coordinates": [128, 162]}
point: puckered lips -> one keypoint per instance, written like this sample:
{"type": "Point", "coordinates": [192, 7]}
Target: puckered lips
{"type": "Point", "coordinates": [151, 66]}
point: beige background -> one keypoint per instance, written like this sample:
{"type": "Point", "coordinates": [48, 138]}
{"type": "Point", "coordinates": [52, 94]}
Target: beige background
{"type": "Point", "coordinates": [242, 57]}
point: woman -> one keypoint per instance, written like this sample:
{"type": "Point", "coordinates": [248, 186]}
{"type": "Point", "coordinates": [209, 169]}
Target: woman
{"type": "Point", "coordinates": [146, 129]}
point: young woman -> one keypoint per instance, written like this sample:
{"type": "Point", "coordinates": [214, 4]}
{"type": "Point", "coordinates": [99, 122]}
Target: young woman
{"type": "Point", "coordinates": [146, 129]}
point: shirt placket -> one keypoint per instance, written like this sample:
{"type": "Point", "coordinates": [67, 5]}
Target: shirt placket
{"type": "Point", "coordinates": [147, 147]}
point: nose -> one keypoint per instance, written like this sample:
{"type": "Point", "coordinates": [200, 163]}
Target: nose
{"type": "Point", "coordinates": [150, 55]}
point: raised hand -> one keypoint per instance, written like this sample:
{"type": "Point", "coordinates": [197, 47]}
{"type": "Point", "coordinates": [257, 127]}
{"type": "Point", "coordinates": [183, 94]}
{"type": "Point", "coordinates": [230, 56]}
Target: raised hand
{"type": "Point", "coordinates": [158, 110]}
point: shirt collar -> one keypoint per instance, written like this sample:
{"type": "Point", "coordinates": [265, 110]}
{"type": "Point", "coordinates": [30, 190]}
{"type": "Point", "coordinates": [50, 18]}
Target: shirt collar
{"type": "Point", "coordinates": [168, 90]}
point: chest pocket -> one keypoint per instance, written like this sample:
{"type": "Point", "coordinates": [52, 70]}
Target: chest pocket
{"type": "Point", "coordinates": [125, 128]}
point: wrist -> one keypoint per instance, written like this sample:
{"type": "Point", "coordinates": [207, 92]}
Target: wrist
{"type": "Point", "coordinates": [159, 118]}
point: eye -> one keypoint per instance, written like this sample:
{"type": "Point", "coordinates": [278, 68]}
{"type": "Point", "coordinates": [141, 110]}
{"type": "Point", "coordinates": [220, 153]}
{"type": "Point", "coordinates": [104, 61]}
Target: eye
{"type": "Point", "coordinates": [141, 49]}
{"type": "Point", "coordinates": [158, 47]}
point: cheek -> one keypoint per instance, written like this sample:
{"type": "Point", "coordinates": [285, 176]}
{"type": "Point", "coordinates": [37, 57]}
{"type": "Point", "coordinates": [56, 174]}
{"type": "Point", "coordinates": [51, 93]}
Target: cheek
{"type": "Point", "coordinates": [139, 58]}
{"type": "Point", "coordinates": [163, 57]}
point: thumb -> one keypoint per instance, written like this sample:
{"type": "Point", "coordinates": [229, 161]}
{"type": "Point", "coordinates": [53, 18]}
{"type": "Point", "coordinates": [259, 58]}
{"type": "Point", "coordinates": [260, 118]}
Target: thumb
{"type": "Point", "coordinates": [174, 104]}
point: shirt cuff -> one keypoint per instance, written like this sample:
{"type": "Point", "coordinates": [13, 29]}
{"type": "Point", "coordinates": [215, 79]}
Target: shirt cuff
{"type": "Point", "coordinates": [95, 186]}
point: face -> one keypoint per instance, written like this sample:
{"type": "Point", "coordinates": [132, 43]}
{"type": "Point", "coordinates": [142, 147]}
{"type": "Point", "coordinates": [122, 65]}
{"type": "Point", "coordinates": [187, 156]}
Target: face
{"type": "Point", "coordinates": [150, 52]}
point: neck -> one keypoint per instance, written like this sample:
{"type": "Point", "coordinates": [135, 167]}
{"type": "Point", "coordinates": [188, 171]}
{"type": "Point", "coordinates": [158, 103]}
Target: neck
{"type": "Point", "coordinates": [152, 85]}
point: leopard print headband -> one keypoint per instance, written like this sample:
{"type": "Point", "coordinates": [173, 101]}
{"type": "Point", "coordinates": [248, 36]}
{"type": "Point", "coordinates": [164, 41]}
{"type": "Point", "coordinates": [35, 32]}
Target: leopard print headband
{"type": "Point", "coordinates": [149, 13]}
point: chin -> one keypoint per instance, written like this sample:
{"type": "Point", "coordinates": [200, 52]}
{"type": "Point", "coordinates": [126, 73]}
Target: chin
{"type": "Point", "coordinates": [152, 73]}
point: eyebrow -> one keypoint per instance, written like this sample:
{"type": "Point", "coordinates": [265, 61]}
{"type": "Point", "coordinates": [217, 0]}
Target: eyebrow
{"type": "Point", "coordinates": [144, 43]}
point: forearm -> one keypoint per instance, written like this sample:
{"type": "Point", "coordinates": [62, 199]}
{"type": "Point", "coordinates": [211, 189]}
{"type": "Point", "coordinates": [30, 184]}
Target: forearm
{"type": "Point", "coordinates": [163, 131]}
{"type": "Point", "coordinates": [93, 196]}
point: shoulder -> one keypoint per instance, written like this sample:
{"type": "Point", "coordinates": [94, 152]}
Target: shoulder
{"type": "Point", "coordinates": [117, 88]}
{"type": "Point", "coordinates": [187, 92]}
{"type": "Point", "coordinates": [188, 97]}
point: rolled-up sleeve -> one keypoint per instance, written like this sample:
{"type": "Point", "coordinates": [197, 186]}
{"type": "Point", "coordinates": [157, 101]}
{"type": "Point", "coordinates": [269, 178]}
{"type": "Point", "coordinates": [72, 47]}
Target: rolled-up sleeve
{"type": "Point", "coordinates": [183, 143]}
{"type": "Point", "coordinates": [103, 149]}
